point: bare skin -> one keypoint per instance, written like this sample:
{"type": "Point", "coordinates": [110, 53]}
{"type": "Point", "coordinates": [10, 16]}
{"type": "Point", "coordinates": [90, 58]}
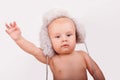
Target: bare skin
{"type": "Point", "coordinates": [67, 64]}
{"type": "Point", "coordinates": [69, 67]}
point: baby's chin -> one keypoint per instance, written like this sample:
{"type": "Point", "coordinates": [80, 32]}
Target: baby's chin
{"type": "Point", "coordinates": [65, 52]}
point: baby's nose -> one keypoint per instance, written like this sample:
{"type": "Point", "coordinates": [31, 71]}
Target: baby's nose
{"type": "Point", "coordinates": [64, 38]}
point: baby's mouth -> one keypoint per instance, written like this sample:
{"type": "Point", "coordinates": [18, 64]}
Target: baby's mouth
{"type": "Point", "coordinates": [65, 45]}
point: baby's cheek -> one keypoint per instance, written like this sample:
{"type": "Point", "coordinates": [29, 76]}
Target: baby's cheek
{"type": "Point", "coordinates": [56, 46]}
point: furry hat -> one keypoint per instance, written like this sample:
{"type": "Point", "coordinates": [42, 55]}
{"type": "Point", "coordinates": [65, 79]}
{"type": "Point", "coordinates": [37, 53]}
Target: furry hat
{"type": "Point", "coordinates": [45, 42]}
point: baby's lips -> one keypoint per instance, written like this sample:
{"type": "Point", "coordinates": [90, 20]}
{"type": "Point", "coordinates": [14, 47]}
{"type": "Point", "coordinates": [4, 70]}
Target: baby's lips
{"type": "Point", "coordinates": [65, 45]}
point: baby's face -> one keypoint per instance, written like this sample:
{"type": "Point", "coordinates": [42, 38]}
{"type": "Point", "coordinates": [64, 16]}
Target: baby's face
{"type": "Point", "coordinates": [63, 35]}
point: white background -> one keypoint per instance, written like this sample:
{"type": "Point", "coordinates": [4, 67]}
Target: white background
{"type": "Point", "coordinates": [101, 19]}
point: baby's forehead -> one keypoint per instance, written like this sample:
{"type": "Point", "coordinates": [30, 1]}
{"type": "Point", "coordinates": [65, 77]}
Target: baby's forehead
{"type": "Point", "coordinates": [62, 20]}
{"type": "Point", "coordinates": [62, 25]}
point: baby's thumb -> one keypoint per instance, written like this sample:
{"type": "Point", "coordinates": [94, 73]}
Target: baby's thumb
{"type": "Point", "coordinates": [7, 31]}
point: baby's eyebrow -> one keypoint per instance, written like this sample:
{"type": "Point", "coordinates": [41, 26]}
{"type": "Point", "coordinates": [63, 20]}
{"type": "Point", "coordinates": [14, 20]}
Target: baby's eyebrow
{"type": "Point", "coordinates": [56, 34]}
{"type": "Point", "coordinates": [69, 31]}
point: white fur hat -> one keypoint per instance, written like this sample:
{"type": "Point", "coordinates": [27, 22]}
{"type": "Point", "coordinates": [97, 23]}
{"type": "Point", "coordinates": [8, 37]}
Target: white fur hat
{"type": "Point", "coordinates": [45, 42]}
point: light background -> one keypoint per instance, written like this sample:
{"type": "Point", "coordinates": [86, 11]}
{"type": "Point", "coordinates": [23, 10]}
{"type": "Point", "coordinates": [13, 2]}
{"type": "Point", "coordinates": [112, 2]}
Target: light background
{"type": "Point", "coordinates": [101, 19]}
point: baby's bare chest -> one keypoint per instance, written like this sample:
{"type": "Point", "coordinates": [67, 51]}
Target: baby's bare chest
{"type": "Point", "coordinates": [68, 67]}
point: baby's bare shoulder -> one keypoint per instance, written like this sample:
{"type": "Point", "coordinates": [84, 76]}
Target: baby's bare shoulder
{"type": "Point", "coordinates": [81, 52]}
{"type": "Point", "coordinates": [54, 59]}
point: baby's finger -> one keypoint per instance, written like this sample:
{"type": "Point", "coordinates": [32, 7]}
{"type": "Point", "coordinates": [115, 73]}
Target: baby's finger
{"type": "Point", "coordinates": [7, 26]}
{"type": "Point", "coordinates": [11, 24]}
{"type": "Point", "coordinates": [7, 31]}
{"type": "Point", "coordinates": [10, 30]}
{"type": "Point", "coordinates": [14, 23]}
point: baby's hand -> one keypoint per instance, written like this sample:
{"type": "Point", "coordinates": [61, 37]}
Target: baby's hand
{"type": "Point", "coordinates": [13, 31]}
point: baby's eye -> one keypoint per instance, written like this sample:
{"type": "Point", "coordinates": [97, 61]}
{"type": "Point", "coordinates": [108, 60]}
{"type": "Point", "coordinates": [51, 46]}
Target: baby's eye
{"type": "Point", "coordinates": [57, 36]}
{"type": "Point", "coordinates": [69, 35]}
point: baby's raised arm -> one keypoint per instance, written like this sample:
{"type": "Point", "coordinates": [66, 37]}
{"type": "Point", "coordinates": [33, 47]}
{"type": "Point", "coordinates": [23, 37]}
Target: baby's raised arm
{"type": "Point", "coordinates": [93, 68]}
{"type": "Point", "coordinates": [15, 33]}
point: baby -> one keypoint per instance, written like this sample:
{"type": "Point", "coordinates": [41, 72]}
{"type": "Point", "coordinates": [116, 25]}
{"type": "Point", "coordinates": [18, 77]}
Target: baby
{"type": "Point", "coordinates": [65, 63]}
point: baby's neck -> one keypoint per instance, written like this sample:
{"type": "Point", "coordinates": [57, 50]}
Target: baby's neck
{"type": "Point", "coordinates": [65, 54]}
